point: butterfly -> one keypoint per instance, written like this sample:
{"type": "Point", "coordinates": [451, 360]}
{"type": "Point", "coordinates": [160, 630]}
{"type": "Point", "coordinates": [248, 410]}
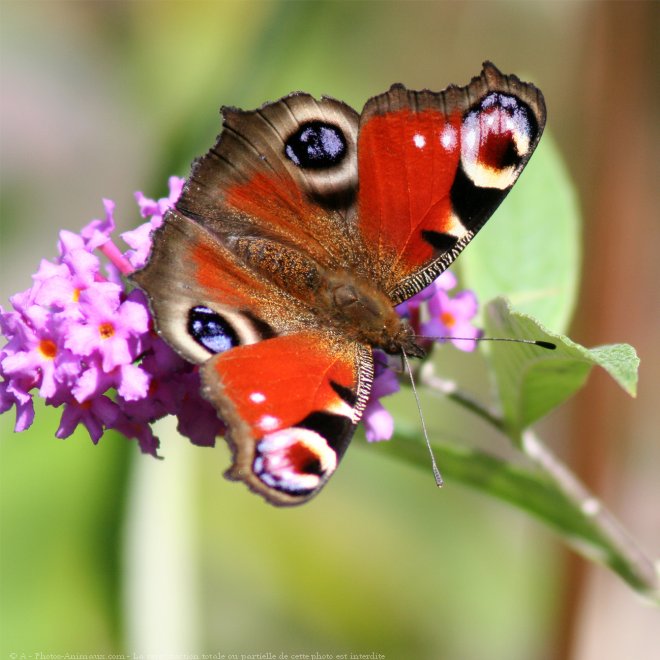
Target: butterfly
{"type": "Point", "coordinates": [297, 234]}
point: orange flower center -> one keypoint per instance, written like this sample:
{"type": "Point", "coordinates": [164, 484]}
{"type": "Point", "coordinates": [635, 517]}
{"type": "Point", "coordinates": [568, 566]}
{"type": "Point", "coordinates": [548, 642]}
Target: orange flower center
{"type": "Point", "coordinates": [106, 330]}
{"type": "Point", "coordinates": [76, 295]}
{"type": "Point", "coordinates": [448, 319]}
{"type": "Point", "coordinates": [48, 348]}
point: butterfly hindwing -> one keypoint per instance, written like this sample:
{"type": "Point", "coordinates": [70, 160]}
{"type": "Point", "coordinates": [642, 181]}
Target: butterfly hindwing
{"type": "Point", "coordinates": [291, 404]}
{"type": "Point", "coordinates": [291, 394]}
{"type": "Point", "coordinates": [433, 167]}
{"type": "Point", "coordinates": [203, 297]}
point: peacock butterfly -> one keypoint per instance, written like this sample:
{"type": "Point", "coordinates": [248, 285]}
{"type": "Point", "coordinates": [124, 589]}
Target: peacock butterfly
{"type": "Point", "coordinates": [296, 235]}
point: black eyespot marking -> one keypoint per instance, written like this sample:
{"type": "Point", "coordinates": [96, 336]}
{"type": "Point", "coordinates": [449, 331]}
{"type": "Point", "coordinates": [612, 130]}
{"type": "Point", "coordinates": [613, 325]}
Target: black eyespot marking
{"type": "Point", "coordinates": [471, 203]}
{"type": "Point", "coordinates": [334, 428]}
{"type": "Point", "coordinates": [316, 145]}
{"type": "Point", "coordinates": [439, 240]}
{"type": "Point", "coordinates": [497, 132]}
{"type": "Point", "coordinates": [500, 155]}
{"type": "Point", "coordinates": [263, 329]}
{"type": "Point", "coordinates": [310, 464]}
{"type": "Point", "coordinates": [345, 393]}
{"type": "Point", "coordinates": [210, 330]}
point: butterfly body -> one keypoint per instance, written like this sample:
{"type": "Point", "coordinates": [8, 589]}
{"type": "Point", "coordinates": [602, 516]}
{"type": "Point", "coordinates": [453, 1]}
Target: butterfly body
{"type": "Point", "coordinates": [279, 269]}
{"type": "Point", "coordinates": [340, 298]}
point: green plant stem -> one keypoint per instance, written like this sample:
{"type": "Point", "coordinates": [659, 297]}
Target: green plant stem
{"type": "Point", "coordinates": [592, 508]}
{"type": "Point", "coordinates": [607, 526]}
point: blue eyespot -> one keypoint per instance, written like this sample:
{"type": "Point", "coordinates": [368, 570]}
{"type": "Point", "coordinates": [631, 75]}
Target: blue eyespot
{"type": "Point", "coordinates": [316, 145]}
{"type": "Point", "coordinates": [210, 330]}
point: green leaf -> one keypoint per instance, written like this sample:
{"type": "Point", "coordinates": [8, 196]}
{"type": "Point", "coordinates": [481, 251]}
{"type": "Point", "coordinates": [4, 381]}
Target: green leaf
{"type": "Point", "coordinates": [531, 381]}
{"type": "Point", "coordinates": [526, 489]}
{"type": "Point", "coordinates": [529, 252]}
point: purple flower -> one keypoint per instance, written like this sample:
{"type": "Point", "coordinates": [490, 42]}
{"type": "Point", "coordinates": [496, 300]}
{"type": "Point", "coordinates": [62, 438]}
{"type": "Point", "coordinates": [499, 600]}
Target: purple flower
{"type": "Point", "coordinates": [140, 431]}
{"type": "Point", "coordinates": [96, 415]}
{"type": "Point", "coordinates": [451, 319]}
{"type": "Point", "coordinates": [36, 354]}
{"type": "Point", "coordinates": [446, 281]}
{"type": "Point", "coordinates": [156, 209]}
{"type": "Point", "coordinates": [198, 419]}
{"type": "Point", "coordinates": [130, 381]}
{"type": "Point", "coordinates": [111, 329]}
{"type": "Point", "coordinates": [436, 316]}
{"type": "Point", "coordinates": [86, 343]}
{"type": "Point", "coordinates": [378, 423]}
{"type": "Point", "coordinates": [98, 232]}
{"type": "Point", "coordinates": [140, 239]}
{"type": "Point", "coordinates": [58, 286]}
{"type": "Point", "coordinates": [15, 391]}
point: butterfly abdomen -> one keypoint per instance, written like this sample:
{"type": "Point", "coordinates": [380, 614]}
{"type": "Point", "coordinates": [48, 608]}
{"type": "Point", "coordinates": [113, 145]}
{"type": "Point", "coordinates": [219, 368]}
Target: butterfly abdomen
{"type": "Point", "coordinates": [286, 267]}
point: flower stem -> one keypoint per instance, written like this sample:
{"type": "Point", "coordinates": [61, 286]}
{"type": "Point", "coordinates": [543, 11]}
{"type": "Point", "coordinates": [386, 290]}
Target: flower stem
{"type": "Point", "coordinates": [593, 509]}
{"type": "Point", "coordinates": [110, 250]}
{"type": "Point", "coordinates": [622, 547]}
{"type": "Point", "coordinates": [449, 389]}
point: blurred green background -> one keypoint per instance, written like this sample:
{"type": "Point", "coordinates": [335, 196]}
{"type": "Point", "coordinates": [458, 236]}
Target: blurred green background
{"type": "Point", "coordinates": [106, 551]}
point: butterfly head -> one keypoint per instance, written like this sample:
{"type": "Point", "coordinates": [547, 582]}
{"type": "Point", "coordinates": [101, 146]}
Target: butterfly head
{"type": "Point", "coordinates": [405, 342]}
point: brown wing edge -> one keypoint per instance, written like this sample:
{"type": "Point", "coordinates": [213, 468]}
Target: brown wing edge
{"type": "Point", "coordinates": [455, 97]}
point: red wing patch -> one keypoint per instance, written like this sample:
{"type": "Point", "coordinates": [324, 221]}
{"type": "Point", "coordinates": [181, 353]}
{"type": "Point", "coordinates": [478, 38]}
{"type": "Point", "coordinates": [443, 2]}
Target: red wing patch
{"type": "Point", "coordinates": [407, 163]}
{"type": "Point", "coordinates": [275, 384]}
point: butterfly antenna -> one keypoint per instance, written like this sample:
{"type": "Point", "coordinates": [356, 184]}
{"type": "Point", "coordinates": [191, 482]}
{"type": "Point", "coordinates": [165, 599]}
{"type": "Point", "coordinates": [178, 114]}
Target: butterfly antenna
{"type": "Point", "coordinates": [535, 342]}
{"type": "Point", "coordinates": [436, 473]}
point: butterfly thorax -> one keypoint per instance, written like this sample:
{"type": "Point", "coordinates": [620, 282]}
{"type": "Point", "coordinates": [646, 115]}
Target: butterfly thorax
{"type": "Point", "coordinates": [364, 313]}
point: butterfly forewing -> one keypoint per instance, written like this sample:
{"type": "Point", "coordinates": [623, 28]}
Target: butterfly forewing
{"type": "Point", "coordinates": [433, 167]}
{"type": "Point", "coordinates": [287, 171]}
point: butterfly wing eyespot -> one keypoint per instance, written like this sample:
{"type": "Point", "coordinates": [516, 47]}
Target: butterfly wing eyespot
{"type": "Point", "coordinates": [316, 145]}
{"type": "Point", "coordinates": [496, 138]}
{"type": "Point", "coordinates": [296, 461]}
{"type": "Point", "coordinates": [211, 330]}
